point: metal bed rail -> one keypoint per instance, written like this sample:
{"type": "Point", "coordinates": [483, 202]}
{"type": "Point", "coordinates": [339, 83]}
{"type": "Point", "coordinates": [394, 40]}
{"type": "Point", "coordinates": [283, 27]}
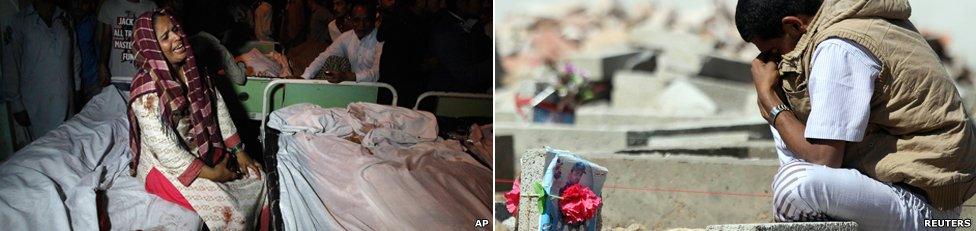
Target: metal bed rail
{"type": "Point", "coordinates": [448, 94]}
{"type": "Point", "coordinates": [266, 97]}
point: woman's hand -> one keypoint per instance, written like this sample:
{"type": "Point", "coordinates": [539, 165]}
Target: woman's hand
{"type": "Point", "coordinates": [219, 173]}
{"type": "Point", "coordinates": [248, 165]}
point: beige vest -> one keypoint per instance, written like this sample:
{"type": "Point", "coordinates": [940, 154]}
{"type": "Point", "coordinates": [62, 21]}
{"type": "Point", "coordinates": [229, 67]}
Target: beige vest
{"type": "Point", "coordinates": [918, 132]}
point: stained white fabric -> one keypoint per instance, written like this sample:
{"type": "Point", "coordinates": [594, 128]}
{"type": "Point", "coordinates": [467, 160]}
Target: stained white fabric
{"type": "Point", "coordinates": [309, 118]}
{"type": "Point", "coordinates": [51, 183]}
{"type": "Point", "coordinates": [231, 205]}
{"type": "Point", "coordinates": [262, 65]}
{"type": "Point", "coordinates": [404, 181]}
{"type": "Point", "coordinates": [363, 54]}
{"type": "Point", "coordinates": [396, 124]}
{"type": "Point", "coordinates": [481, 143]}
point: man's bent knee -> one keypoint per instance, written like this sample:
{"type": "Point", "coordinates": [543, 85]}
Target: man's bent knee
{"type": "Point", "coordinates": [791, 193]}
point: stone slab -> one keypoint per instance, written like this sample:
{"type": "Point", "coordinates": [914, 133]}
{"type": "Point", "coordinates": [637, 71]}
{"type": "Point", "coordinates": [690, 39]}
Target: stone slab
{"type": "Point", "coordinates": [726, 69]}
{"type": "Point", "coordinates": [756, 130]}
{"type": "Point", "coordinates": [638, 89]}
{"type": "Point", "coordinates": [601, 66]}
{"type": "Point", "coordinates": [533, 168]}
{"type": "Point", "coordinates": [660, 192]}
{"type": "Point", "coordinates": [787, 226]}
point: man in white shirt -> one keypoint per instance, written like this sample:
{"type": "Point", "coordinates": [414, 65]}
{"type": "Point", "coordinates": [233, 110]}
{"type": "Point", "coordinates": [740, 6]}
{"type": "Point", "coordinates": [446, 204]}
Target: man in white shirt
{"type": "Point", "coordinates": [337, 26]}
{"type": "Point", "coordinates": [840, 86]}
{"type": "Point", "coordinates": [358, 45]}
{"type": "Point", "coordinates": [40, 67]}
{"type": "Point", "coordinates": [845, 150]}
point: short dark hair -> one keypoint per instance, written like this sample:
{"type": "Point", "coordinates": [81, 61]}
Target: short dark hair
{"type": "Point", "coordinates": [368, 5]}
{"type": "Point", "coordinates": [452, 4]}
{"type": "Point", "coordinates": [761, 18]}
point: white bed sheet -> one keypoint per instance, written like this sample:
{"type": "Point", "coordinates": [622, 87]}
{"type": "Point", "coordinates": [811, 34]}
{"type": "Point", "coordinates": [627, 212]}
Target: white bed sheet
{"type": "Point", "coordinates": [400, 178]}
{"type": "Point", "coordinates": [51, 183]}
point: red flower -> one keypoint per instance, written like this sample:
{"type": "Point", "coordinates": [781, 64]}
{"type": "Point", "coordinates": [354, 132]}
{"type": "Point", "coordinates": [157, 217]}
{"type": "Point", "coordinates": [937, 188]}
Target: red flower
{"type": "Point", "coordinates": [578, 203]}
{"type": "Point", "coordinates": [512, 199]}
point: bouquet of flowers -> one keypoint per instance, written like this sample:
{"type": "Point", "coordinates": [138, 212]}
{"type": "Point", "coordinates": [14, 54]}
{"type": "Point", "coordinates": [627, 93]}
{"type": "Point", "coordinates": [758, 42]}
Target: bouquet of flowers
{"type": "Point", "coordinates": [556, 99]}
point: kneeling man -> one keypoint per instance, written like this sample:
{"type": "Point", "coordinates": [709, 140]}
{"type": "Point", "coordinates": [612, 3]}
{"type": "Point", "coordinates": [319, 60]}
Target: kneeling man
{"type": "Point", "coordinates": [868, 125]}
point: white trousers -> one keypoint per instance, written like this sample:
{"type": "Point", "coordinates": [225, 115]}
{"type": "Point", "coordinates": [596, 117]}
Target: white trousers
{"type": "Point", "coordinates": [810, 192]}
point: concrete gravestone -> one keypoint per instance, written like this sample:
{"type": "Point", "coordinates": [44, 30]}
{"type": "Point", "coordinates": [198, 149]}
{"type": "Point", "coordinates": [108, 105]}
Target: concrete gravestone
{"type": "Point", "coordinates": [555, 171]}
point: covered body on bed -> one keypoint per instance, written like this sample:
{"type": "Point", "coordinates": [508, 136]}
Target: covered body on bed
{"type": "Point", "coordinates": [396, 175]}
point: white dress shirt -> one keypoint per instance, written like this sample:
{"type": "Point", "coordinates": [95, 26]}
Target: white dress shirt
{"type": "Point", "coordinates": [334, 31]}
{"type": "Point", "coordinates": [840, 86]}
{"type": "Point", "coordinates": [363, 54]}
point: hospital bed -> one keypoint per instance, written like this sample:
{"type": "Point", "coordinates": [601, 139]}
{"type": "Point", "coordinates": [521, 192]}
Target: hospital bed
{"type": "Point", "coordinates": [53, 183]}
{"type": "Point", "coordinates": [291, 182]}
{"type": "Point", "coordinates": [456, 112]}
{"type": "Point", "coordinates": [273, 92]}
{"type": "Point", "coordinates": [455, 104]}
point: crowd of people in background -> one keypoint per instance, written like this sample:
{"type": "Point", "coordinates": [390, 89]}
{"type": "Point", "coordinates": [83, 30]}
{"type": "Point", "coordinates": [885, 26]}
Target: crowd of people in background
{"type": "Point", "coordinates": [57, 54]}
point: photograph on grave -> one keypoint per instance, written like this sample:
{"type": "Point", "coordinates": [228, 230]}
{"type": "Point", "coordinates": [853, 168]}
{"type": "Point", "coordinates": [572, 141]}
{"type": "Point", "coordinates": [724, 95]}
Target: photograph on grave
{"type": "Point", "coordinates": [573, 187]}
{"type": "Point", "coordinates": [683, 104]}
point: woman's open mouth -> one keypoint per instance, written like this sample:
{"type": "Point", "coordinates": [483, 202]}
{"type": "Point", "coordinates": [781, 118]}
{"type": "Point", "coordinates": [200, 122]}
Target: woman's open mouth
{"type": "Point", "coordinates": [179, 48]}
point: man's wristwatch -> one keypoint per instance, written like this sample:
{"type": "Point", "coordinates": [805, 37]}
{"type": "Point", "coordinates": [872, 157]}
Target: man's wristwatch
{"type": "Point", "coordinates": [773, 113]}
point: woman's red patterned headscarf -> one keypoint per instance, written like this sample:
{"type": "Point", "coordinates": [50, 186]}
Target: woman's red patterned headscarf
{"type": "Point", "coordinates": [154, 77]}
